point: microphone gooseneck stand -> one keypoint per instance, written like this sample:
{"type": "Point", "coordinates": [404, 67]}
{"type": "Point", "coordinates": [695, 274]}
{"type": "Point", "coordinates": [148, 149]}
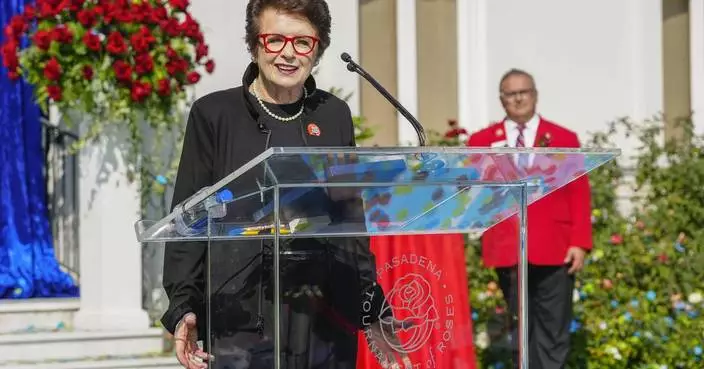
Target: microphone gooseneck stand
{"type": "Point", "coordinates": [352, 66]}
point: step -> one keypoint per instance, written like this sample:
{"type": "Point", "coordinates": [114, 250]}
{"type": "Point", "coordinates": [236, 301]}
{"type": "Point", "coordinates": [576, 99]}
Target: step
{"type": "Point", "coordinates": [49, 314]}
{"type": "Point", "coordinates": [163, 362]}
{"type": "Point", "coordinates": [76, 345]}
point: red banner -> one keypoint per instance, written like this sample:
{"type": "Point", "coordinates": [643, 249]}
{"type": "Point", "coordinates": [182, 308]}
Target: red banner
{"type": "Point", "coordinates": [425, 284]}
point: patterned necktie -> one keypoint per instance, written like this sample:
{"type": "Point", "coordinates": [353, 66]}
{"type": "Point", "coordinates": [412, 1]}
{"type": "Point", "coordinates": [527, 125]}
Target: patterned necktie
{"type": "Point", "coordinates": [520, 142]}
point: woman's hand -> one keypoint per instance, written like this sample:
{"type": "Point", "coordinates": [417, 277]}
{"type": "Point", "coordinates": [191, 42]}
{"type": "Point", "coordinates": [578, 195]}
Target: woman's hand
{"type": "Point", "coordinates": [187, 351]}
{"type": "Point", "coordinates": [382, 346]}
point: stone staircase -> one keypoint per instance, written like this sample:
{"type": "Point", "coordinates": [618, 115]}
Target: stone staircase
{"type": "Point", "coordinates": [38, 334]}
{"type": "Point", "coordinates": [100, 363]}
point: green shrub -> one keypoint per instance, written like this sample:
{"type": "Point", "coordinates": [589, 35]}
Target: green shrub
{"type": "Point", "coordinates": [639, 298]}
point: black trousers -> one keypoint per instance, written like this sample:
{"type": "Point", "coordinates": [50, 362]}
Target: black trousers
{"type": "Point", "coordinates": [550, 290]}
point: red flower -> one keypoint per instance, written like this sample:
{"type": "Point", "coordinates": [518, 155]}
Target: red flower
{"type": "Point", "coordinates": [171, 53]}
{"type": "Point", "coordinates": [191, 28]}
{"type": "Point", "coordinates": [210, 66]}
{"type": "Point", "coordinates": [15, 28]}
{"type": "Point", "coordinates": [111, 10]}
{"type": "Point", "coordinates": [87, 72]}
{"type": "Point", "coordinates": [143, 64]}
{"type": "Point", "coordinates": [54, 92]}
{"type": "Point", "coordinates": [42, 39]}
{"type": "Point", "coordinates": [181, 5]}
{"type": "Point", "coordinates": [123, 71]}
{"type": "Point", "coordinates": [164, 87]}
{"type": "Point", "coordinates": [116, 44]}
{"type": "Point", "coordinates": [100, 9]}
{"type": "Point", "coordinates": [455, 132]}
{"type": "Point", "coordinates": [52, 69]}
{"type": "Point", "coordinates": [62, 34]}
{"type": "Point", "coordinates": [171, 27]}
{"type": "Point", "coordinates": [545, 140]}
{"type": "Point", "coordinates": [51, 8]}
{"type": "Point", "coordinates": [29, 13]}
{"type": "Point", "coordinates": [140, 91]}
{"type": "Point", "coordinates": [616, 239]}
{"type": "Point", "coordinates": [9, 34]}
{"type": "Point", "coordinates": [9, 55]}
{"type": "Point", "coordinates": [663, 258]}
{"type": "Point", "coordinates": [125, 16]}
{"type": "Point", "coordinates": [176, 65]}
{"type": "Point", "coordinates": [76, 5]}
{"type": "Point", "coordinates": [142, 12]}
{"type": "Point", "coordinates": [142, 39]}
{"type": "Point", "coordinates": [193, 77]}
{"type": "Point", "coordinates": [86, 17]}
{"type": "Point", "coordinates": [92, 41]}
{"type": "Point", "coordinates": [201, 51]}
{"type": "Point", "coordinates": [157, 14]}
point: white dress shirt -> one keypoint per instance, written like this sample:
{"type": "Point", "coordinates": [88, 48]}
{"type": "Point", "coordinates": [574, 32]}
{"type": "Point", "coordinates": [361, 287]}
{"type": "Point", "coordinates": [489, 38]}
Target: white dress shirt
{"type": "Point", "coordinates": [529, 133]}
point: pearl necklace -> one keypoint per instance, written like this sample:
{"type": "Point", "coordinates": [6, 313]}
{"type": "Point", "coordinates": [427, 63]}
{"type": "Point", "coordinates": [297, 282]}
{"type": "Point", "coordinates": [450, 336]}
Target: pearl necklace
{"type": "Point", "coordinates": [266, 109]}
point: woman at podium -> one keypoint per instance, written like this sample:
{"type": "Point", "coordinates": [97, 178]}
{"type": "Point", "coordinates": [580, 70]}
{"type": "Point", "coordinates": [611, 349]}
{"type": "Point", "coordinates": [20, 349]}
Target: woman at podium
{"type": "Point", "coordinates": [323, 281]}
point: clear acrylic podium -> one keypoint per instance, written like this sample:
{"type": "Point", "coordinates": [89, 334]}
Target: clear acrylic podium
{"type": "Point", "coordinates": [297, 229]}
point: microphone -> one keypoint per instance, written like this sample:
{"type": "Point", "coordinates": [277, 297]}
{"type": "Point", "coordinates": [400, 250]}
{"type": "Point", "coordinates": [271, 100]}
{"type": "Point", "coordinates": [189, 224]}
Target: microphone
{"type": "Point", "coordinates": [354, 67]}
{"type": "Point", "coordinates": [263, 128]}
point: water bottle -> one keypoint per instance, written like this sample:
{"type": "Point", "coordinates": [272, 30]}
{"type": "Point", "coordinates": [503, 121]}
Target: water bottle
{"type": "Point", "coordinates": [191, 220]}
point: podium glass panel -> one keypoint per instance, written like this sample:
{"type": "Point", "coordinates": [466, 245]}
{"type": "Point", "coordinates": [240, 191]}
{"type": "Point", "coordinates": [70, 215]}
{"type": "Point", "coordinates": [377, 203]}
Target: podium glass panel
{"type": "Point", "coordinates": [295, 234]}
{"type": "Point", "coordinates": [447, 201]}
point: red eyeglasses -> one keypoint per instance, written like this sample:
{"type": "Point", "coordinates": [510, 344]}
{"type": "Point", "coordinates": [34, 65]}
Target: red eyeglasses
{"type": "Point", "coordinates": [302, 45]}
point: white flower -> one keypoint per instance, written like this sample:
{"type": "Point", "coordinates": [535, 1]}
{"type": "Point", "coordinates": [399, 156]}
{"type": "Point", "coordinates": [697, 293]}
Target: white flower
{"type": "Point", "coordinates": [482, 296]}
{"type": "Point", "coordinates": [597, 255]}
{"type": "Point", "coordinates": [482, 340]}
{"type": "Point", "coordinates": [614, 352]}
{"type": "Point", "coordinates": [575, 295]}
{"type": "Point", "coordinates": [694, 298]}
{"type": "Point", "coordinates": [603, 326]}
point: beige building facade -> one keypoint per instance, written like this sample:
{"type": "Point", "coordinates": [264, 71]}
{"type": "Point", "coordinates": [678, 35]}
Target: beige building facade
{"type": "Point", "coordinates": [442, 59]}
{"type": "Point", "coordinates": [435, 28]}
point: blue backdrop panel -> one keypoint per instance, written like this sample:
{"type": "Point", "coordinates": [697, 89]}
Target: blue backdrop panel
{"type": "Point", "coordinates": [28, 266]}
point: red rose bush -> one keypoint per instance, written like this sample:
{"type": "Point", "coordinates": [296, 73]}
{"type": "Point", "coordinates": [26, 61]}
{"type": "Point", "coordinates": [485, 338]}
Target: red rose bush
{"type": "Point", "coordinates": [124, 55]}
{"type": "Point", "coordinates": [115, 62]}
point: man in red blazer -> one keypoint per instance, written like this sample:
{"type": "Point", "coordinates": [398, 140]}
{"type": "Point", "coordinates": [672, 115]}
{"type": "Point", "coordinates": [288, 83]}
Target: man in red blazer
{"type": "Point", "coordinates": [559, 228]}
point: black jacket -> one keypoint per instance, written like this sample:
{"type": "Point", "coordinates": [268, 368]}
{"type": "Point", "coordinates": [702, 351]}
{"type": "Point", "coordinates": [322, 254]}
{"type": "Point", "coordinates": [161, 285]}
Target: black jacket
{"type": "Point", "coordinates": [225, 130]}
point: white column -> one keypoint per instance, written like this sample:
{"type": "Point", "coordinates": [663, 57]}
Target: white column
{"type": "Point", "coordinates": [472, 54]}
{"type": "Point", "coordinates": [111, 257]}
{"type": "Point", "coordinates": [637, 61]}
{"type": "Point", "coordinates": [696, 39]}
{"type": "Point", "coordinates": [407, 68]}
{"type": "Point", "coordinates": [644, 18]}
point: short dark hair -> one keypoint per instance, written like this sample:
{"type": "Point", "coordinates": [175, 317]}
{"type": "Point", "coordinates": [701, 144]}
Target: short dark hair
{"type": "Point", "coordinates": [316, 11]}
{"type": "Point", "coordinates": [516, 72]}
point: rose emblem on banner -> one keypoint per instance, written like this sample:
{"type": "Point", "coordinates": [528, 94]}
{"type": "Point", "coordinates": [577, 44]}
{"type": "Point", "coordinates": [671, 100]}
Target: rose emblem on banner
{"type": "Point", "coordinates": [413, 313]}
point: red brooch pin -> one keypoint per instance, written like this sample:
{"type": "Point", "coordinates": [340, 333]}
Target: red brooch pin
{"type": "Point", "coordinates": [313, 129]}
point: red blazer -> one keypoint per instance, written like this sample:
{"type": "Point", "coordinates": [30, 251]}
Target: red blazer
{"type": "Point", "coordinates": [556, 222]}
